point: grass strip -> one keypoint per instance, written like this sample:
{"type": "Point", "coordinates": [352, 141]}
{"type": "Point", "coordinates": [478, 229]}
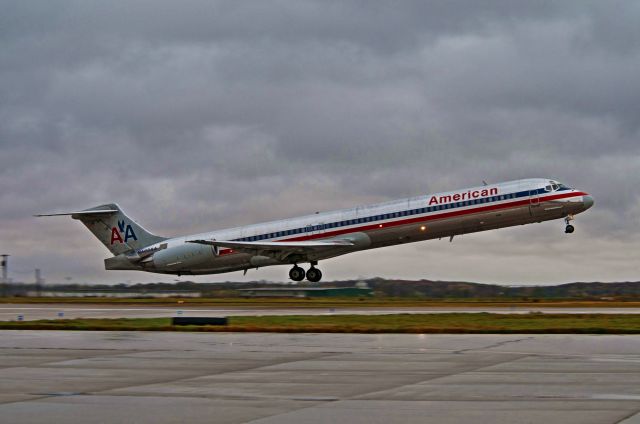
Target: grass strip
{"type": "Point", "coordinates": [453, 323]}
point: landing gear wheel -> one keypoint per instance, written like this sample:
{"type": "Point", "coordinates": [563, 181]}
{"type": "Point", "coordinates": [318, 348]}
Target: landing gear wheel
{"type": "Point", "coordinates": [567, 220]}
{"type": "Point", "coordinates": [296, 273]}
{"type": "Point", "coordinates": [314, 275]}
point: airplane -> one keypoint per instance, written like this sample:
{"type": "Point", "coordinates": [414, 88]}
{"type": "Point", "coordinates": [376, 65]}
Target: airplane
{"type": "Point", "coordinates": [312, 238]}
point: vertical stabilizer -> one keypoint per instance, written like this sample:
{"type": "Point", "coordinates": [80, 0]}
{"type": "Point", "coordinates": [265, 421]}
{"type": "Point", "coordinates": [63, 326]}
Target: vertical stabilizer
{"type": "Point", "coordinates": [114, 229]}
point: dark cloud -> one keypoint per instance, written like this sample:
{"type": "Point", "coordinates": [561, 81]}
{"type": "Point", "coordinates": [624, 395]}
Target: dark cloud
{"type": "Point", "coordinates": [198, 115]}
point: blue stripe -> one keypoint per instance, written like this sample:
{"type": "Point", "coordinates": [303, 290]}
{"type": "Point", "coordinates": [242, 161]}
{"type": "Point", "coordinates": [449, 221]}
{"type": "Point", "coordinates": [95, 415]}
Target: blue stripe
{"type": "Point", "coordinates": [399, 214]}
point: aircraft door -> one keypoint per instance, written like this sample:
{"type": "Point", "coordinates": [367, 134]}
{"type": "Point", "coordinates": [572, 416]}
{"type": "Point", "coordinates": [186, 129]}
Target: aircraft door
{"type": "Point", "coordinates": [315, 229]}
{"type": "Point", "coordinates": [534, 201]}
{"type": "Point", "coordinates": [318, 228]}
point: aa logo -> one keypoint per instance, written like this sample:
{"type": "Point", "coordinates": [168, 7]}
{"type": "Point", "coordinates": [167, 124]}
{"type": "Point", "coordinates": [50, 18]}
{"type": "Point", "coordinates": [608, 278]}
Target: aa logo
{"type": "Point", "coordinates": [116, 233]}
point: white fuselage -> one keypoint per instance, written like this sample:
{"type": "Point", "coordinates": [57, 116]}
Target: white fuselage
{"type": "Point", "coordinates": [369, 227]}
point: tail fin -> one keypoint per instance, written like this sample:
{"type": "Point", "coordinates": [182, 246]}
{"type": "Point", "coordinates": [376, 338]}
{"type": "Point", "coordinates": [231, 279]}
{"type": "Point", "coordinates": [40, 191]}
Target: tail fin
{"type": "Point", "coordinates": [114, 229]}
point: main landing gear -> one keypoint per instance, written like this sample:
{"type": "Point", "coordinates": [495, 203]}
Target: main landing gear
{"type": "Point", "coordinates": [569, 228]}
{"type": "Point", "coordinates": [313, 274]}
{"type": "Point", "coordinates": [296, 273]}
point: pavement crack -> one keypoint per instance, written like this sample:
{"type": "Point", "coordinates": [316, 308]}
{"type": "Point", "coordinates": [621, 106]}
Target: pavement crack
{"type": "Point", "coordinates": [494, 345]}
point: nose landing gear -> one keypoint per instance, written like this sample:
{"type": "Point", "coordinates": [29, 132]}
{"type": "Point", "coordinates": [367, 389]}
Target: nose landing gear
{"type": "Point", "coordinates": [569, 228]}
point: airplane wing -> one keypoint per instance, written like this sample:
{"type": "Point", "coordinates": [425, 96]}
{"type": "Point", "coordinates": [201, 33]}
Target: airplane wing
{"type": "Point", "coordinates": [279, 250]}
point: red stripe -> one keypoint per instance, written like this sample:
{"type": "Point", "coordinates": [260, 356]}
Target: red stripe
{"type": "Point", "coordinates": [423, 219]}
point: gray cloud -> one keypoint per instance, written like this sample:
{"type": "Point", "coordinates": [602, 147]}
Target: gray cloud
{"type": "Point", "coordinates": [201, 115]}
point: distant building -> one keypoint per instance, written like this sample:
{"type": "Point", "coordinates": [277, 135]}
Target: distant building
{"type": "Point", "coordinates": [117, 294]}
{"type": "Point", "coordinates": [307, 292]}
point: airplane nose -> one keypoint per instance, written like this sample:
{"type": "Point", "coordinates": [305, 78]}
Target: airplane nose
{"type": "Point", "coordinates": [587, 201]}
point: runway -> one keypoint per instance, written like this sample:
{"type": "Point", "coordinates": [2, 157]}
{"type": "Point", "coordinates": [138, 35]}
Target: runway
{"type": "Point", "coordinates": [154, 377]}
{"type": "Point", "coordinates": [27, 312]}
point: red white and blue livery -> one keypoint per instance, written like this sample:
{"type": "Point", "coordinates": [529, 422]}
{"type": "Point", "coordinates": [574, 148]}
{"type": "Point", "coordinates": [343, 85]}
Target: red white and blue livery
{"type": "Point", "coordinates": [312, 238]}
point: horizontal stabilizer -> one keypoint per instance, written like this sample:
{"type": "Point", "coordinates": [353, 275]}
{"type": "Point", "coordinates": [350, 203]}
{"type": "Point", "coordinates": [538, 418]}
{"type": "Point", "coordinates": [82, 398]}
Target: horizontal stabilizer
{"type": "Point", "coordinates": [95, 212]}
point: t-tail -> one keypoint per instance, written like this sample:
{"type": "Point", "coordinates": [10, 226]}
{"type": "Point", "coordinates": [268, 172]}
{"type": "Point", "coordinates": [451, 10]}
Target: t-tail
{"type": "Point", "coordinates": [118, 232]}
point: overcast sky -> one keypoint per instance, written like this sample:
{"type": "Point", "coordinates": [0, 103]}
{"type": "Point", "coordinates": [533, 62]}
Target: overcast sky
{"type": "Point", "coordinates": [201, 115]}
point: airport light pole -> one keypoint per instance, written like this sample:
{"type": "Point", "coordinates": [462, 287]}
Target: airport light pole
{"type": "Point", "coordinates": [39, 282]}
{"type": "Point", "coordinates": [5, 279]}
{"type": "Point", "coordinates": [4, 267]}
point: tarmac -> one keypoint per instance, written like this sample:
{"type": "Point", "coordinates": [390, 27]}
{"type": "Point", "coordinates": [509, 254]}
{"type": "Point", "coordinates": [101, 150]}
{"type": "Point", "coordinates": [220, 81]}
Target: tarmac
{"type": "Point", "coordinates": [27, 312]}
{"type": "Point", "coordinates": [155, 377]}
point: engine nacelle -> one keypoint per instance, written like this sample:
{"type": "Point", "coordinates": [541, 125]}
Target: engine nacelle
{"type": "Point", "coordinates": [258, 261]}
{"type": "Point", "coordinates": [182, 256]}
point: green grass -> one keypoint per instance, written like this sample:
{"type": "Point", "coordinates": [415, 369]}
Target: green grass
{"type": "Point", "coordinates": [397, 323]}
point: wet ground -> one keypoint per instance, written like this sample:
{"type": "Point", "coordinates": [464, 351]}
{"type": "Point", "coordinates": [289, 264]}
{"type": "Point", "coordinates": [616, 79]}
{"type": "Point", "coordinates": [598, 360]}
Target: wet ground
{"type": "Point", "coordinates": [155, 377]}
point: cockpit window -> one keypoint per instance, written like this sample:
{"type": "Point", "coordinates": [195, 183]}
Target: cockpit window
{"type": "Point", "coordinates": [555, 186]}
